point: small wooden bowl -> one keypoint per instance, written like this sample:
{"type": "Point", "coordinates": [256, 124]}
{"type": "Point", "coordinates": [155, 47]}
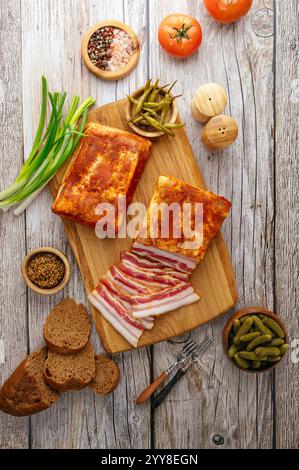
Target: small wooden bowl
{"type": "Point", "coordinates": [37, 289]}
{"type": "Point", "coordinates": [242, 313]}
{"type": "Point", "coordinates": [171, 117]}
{"type": "Point", "coordinates": [123, 71]}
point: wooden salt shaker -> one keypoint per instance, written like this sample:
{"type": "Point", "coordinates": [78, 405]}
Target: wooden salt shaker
{"type": "Point", "coordinates": [220, 132]}
{"type": "Point", "coordinates": [209, 101]}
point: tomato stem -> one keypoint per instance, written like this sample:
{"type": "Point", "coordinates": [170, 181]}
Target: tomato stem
{"type": "Point", "coordinates": [225, 4]}
{"type": "Point", "coordinates": [181, 33]}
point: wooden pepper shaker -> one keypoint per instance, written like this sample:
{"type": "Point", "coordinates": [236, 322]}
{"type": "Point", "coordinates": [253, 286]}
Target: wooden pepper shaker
{"type": "Point", "coordinates": [220, 132]}
{"type": "Point", "coordinates": [209, 100]}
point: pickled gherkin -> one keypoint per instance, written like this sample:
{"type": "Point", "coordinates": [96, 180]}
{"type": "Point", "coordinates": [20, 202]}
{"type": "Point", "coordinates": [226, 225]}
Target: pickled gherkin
{"type": "Point", "coordinates": [274, 326]}
{"type": "Point", "coordinates": [262, 328]}
{"type": "Point", "coordinates": [244, 328]}
{"type": "Point", "coordinates": [257, 341]}
{"type": "Point", "coordinates": [267, 351]}
{"type": "Point", "coordinates": [272, 359]}
{"type": "Point", "coordinates": [284, 348]}
{"type": "Point", "coordinates": [276, 342]}
{"type": "Point", "coordinates": [236, 326]}
{"type": "Point", "coordinates": [249, 336]}
{"type": "Point", "coordinates": [241, 362]}
{"type": "Point", "coordinates": [234, 348]}
{"type": "Point", "coordinates": [249, 355]}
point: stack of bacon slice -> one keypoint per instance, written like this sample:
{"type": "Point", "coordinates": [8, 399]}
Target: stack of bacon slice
{"type": "Point", "coordinates": [147, 282]}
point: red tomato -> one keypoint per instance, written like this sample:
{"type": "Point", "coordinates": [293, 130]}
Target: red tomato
{"type": "Point", "coordinates": [180, 35]}
{"type": "Point", "coordinates": [227, 11]}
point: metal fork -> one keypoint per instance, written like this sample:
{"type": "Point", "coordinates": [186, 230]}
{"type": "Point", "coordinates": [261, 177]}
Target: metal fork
{"type": "Point", "coordinates": [182, 355]}
{"type": "Point", "coordinates": [195, 355]}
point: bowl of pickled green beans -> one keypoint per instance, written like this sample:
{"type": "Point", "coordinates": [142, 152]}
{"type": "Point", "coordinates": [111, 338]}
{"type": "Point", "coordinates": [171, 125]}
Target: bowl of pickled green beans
{"type": "Point", "coordinates": [255, 339]}
{"type": "Point", "coordinates": [152, 111]}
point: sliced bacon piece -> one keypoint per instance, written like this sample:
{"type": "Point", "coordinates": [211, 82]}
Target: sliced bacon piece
{"type": "Point", "coordinates": [125, 299]}
{"type": "Point", "coordinates": [146, 266]}
{"type": "Point", "coordinates": [147, 322]}
{"type": "Point", "coordinates": [143, 286]}
{"type": "Point", "coordinates": [117, 306]}
{"type": "Point", "coordinates": [159, 309]}
{"type": "Point", "coordinates": [178, 262]}
{"type": "Point", "coordinates": [140, 302]}
{"type": "Point", "coordinates": [115, 290]}
{"type": "Point", "coordinates": [128, 331]}
{"type": "Point", "coordinates": [123, 280]}
{"type": "Point", "coordinates": [119, 283]}
{"type": "Point", "coordinates": [147, 277]}
{"type": "Point", "coordinates": [142, 262]}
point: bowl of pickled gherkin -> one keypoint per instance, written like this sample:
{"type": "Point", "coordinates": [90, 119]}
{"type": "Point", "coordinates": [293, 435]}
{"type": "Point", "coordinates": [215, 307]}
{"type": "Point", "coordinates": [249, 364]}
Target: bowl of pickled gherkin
{"type": "Point", "coordinates": [152, 111]}
{"type": "Point", "coordinates": [255, 339]}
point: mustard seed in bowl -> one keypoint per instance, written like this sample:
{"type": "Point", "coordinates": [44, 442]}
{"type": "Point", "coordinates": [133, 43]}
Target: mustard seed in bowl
{"type": "Point", "coordinates": [46, 270]}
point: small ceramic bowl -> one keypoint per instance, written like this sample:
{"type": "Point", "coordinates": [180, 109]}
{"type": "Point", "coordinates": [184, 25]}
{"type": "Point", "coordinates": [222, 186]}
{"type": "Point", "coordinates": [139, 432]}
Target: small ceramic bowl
{"type": "Point", "coordinates": [171, 117]}
{"type": "Point", "coordinates": [34, 287]}
{"type": "Point", "coordinates": [105, 74]}
{"type": "Point", "coordinates": [242, 313]}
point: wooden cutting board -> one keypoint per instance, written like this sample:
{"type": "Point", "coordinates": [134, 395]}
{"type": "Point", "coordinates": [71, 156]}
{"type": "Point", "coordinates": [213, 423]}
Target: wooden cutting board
{"type": "Point", "coordinates": [213, 279]}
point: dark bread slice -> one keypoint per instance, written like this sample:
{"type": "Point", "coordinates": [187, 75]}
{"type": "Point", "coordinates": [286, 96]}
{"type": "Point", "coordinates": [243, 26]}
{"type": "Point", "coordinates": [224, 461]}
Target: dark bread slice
{"type": "Point", "coordinates": [107, 376]}
{"type": "Point", "coordinates": [67, 327]}
{"type": "Point", "coordinates": [25, 392]}
{"type": "Point", "coordinates": [70, 371]}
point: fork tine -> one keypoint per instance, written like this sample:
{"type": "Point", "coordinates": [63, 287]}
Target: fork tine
{"type": "Point", "coordinates": [191, 350]}
{"type": "Point", "coordinates": [191, 346]}
{"type": "Point", "coordinates": [188, 346]}
{"type": "Point", "coordinates": [204, 345]}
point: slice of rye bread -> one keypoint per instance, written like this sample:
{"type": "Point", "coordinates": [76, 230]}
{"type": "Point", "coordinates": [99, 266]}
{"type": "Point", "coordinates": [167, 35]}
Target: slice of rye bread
{"type": "Point", "coordinates": [70, 371]}
{"type": "Point", "coordinates": [107, 376]}
{"type": "Point", "coordinates": [25, 392]}
{"type": "Point", "coordinates": [67, 327]}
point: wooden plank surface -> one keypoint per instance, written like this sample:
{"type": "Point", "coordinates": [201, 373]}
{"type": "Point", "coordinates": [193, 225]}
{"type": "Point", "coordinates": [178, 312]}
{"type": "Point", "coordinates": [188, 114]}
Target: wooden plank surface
{"type": "Point", "coordinates": [213, 280]}
{"type": "Point", "coordinates": [287, 213]}
{"type": "Point", "coordinates": [13, 314]}
{"type": "Point", "coordinates": [218, 406]}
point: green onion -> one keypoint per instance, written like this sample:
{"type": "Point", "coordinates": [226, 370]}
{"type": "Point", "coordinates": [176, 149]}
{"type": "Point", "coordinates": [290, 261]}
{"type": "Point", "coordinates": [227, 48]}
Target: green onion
{"type": "Point", "coordinates": [49, 150]}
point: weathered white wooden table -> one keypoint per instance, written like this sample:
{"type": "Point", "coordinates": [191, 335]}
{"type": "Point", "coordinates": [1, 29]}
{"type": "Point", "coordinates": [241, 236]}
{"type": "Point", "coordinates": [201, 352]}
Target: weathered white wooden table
{"type": "Point", "coordinates": [257, 62]}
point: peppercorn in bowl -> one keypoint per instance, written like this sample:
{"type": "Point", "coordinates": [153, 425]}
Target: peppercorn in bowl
{"type": "Point", "coordinates": [255, 339]}
{"type": "Point", "coordinates": [46, 270]}
{"type": "Point", "coordinates": [110, 50]}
